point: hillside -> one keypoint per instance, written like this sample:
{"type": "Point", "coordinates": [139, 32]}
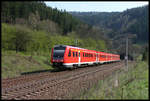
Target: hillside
{"type": "Point", "coordinates": [32, 12]}
{"type": "Point", "coordinates": [39, 17]}
{"type": "Point", "coordinates": [131, 21]}
{"type": "Point", "coordinates": [27, 50]}
{"type": "Point", "coordinates": [40, 27]}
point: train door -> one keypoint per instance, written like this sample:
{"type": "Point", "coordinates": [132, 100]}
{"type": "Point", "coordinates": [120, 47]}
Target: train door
{"type": "Point", "coordinates": [99, 57]}
{"type": "Point", "coordinates": [96, 57]}
{"type": "Point", "coordinates": [106, 58]}
{"type": "Point", "coordinates": [79, 59]}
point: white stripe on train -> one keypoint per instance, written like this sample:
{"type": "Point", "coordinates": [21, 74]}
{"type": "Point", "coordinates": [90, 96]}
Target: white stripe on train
{"type": "Point", "coordinates": [89, 63]}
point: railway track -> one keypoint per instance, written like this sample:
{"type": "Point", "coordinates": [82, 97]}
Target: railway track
{"type": "Point", "coordinates": [47, 82]}
{"type": "Point", "coordinates": [31, 77]}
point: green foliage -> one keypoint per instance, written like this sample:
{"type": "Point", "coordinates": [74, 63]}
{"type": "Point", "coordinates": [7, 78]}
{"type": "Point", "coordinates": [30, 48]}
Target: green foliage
{"type": "Point", "coordinates": [134, 21]}
{"type": "Point", "coordinates": [126, 89]}
{"type": "Point", "coordinates": [21, 38]}
{"type": "Point", "coordinates": [41, 19]}
{"type": "Point", "coordinates": [91, 44]}
{"type": "Point", "coordinates": [15, 64]}
{"type": "Point", "coordinates": [101, 45]}
{"type": "Point", "coordinates": [34, 12]}
{"type": "Point", "coordinates": [15, 37]}
{"type": "Point", "coordinates": [145, 54]}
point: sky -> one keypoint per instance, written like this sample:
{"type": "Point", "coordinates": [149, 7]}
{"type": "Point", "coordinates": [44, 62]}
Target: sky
{"type": "Point", "coordinates": [98, 6]}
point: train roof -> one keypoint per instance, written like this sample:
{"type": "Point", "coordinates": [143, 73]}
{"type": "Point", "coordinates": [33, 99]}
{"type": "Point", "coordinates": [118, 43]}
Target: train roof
{"type": "Point", "coordinates": [71, 47]}
{"type": "Point", "coordinates": [83, 49]}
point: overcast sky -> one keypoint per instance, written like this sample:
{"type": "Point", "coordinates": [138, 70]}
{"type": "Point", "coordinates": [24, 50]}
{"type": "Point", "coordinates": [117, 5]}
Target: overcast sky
{"type": "Point", "coordinates": [99, 6]}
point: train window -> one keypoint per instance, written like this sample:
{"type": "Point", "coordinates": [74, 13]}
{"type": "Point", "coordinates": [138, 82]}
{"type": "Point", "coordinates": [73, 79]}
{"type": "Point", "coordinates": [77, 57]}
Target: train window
{"type": "Point", "coordinates": [69, 53]}
{"type": "Point", "coordinates": [59, 52]}
{"type": "Point", "coordinates": [59, 48]}
{"type": "Point", "coordinates": [73, 54]}
{"type": "Point", "coordinates": [83, 54]}
{"type": "Point", "coordinates": [76, 54]}
{"type": "Point", "coordinates": [79, 54]}
{"type": "Point", "coordinates": [103, 56]}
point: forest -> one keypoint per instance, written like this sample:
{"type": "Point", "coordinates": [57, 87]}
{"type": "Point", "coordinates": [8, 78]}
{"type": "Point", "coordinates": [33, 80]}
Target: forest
{"type": "Point", "coordinates": [131, 21]}
{"type": "Point", "coordinates": [35, 28]}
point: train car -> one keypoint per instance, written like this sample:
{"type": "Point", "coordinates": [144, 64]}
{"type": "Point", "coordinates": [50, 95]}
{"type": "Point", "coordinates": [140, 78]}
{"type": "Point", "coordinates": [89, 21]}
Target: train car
{"type": "Point", "coordinates": [72, 57]}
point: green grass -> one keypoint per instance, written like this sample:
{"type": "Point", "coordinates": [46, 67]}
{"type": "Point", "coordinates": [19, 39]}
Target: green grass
{"type": "Point", "coordinates": [131, 85]}
{"type": "Point", "coordinates": [14, 65]}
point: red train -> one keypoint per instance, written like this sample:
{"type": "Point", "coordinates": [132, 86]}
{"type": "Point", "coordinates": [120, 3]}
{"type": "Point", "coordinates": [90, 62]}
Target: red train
{"type": "Point", "coordinates": [70, 57]}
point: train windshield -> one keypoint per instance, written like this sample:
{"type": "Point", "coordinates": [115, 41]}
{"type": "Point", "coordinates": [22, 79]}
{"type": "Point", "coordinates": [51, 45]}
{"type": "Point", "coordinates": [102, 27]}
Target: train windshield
{"type": "Point", "coordinates": [58, 52]}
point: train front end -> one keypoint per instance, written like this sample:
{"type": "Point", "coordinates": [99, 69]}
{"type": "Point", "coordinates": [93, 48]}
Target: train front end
{"type": "Point", "coordinates": [57, 56]}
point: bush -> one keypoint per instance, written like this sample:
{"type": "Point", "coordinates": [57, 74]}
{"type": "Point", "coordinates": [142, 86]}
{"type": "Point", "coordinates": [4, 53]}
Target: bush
{"type": "Point", "coordinates": [21, 38]}
{"type": "Point", "coordinates": [15, 37]}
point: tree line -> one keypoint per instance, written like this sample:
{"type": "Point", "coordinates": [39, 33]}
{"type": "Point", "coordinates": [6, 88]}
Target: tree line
{"type": "Point", "coordinates": [14, 11]}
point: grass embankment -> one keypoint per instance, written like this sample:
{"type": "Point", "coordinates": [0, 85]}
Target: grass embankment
{"type": "Point", "coordinates": [16, 64]}
{"type": "Point", "coordinates": [122, 84]}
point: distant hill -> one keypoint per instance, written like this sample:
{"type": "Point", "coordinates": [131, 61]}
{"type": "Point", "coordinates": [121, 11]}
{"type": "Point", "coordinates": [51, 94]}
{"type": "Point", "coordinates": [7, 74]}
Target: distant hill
{"type": "Point", "coordinates": [131, 21]}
